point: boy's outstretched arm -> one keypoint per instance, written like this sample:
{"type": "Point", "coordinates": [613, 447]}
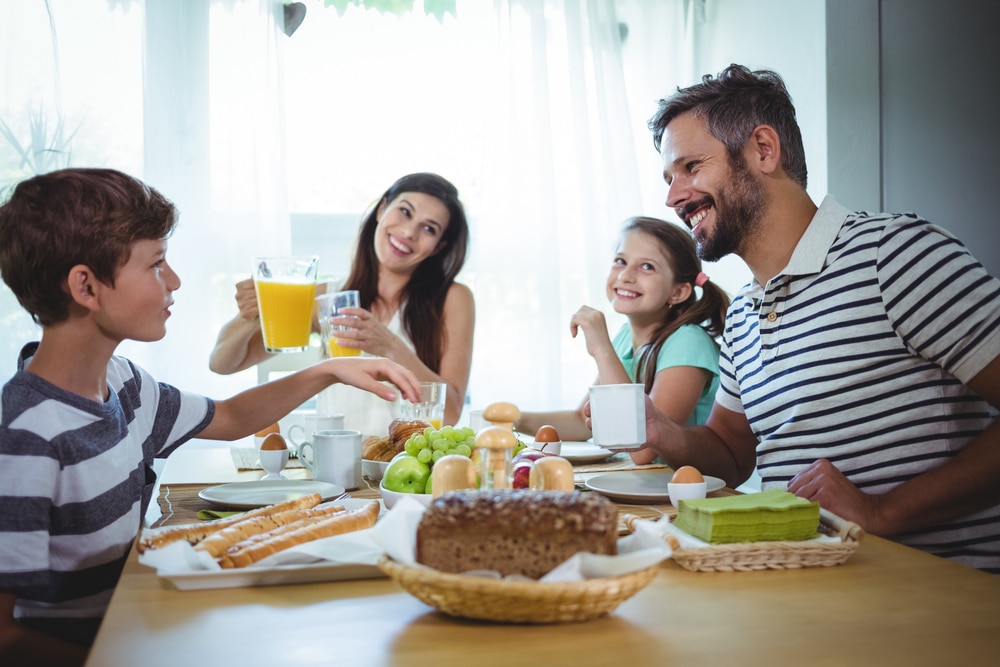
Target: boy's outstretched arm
{"type": "Point", "coordinates": [251, 410]}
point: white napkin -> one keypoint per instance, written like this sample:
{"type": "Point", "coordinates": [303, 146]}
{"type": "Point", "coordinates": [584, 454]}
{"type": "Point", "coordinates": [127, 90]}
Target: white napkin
{"type": "Point", "coordinates": [395, 534]}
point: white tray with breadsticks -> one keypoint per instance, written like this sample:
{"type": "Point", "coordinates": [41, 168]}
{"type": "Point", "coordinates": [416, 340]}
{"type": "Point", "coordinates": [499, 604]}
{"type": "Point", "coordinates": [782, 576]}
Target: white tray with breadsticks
{"type": "Point", "coordinates": [295, 541]}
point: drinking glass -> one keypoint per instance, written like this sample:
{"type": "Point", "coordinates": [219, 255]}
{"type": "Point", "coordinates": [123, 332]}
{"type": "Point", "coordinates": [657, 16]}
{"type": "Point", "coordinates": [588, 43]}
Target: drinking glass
{"type": "Point", "coordinates": [430, 407]}
{"type": "Point", "coordinates": [285, 290]}
{"type": "Point", "coordinates": [329, 306]}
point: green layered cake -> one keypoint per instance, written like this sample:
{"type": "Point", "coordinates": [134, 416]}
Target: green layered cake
{"type": "Point", "coordinates": [754, 517]}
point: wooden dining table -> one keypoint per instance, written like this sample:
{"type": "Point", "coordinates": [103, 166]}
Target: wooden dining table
{"type": "Point", "coordinates": [887, 605]}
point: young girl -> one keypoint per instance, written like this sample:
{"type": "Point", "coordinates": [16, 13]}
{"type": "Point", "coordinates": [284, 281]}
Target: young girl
{"type": "Point", "coordinates": [674, 314]}
{"type": "Point", "coordinates": [411, 246]}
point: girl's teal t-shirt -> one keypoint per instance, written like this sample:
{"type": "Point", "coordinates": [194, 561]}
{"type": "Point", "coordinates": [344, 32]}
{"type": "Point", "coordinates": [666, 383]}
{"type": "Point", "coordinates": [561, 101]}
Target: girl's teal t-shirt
{"type": "Point", "coordinates": [690, 345]}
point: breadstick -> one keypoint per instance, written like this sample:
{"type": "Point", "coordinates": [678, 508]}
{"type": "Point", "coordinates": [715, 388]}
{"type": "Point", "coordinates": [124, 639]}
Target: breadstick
{"type": "Point", "coordinates": [195, 532]}
{"type": "Point", "coordinates": [316, 514]}
{"type": "Point", "coordinates": [217, 543]}
{"type": "Point", "coordinates": [338, 524]}
{"type": "Point", "coordinates": [235, 550]}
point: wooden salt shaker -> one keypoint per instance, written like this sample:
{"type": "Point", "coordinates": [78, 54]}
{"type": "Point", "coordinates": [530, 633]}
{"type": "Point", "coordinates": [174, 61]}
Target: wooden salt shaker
{"type": "Point", "coordinates": [497, 443]}
{"type": "Point", "coordinates": [502, 414]}
{"type": "Point", "coordinates": [551, 473]}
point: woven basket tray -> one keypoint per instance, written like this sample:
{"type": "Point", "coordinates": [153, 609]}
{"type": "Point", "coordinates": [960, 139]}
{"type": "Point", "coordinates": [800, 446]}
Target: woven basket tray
{"type": "Point", "coordinates": [776, 555]}
{"type": "Point", "coordinates": [508, 601]}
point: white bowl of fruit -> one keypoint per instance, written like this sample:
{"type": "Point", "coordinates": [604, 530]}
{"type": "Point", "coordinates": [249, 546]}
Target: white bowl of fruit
{"type": "Point", "coordinates": [409, 473]}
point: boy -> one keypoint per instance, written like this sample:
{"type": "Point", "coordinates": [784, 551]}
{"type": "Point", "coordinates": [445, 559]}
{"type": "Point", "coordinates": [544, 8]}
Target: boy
{"type": "Point", "coordinates": [83, 250]}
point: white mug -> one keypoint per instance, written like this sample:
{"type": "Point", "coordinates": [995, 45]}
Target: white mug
{"type": "Point", "coordinates": [618, 415]}
{"type": "Point", "coordinates": [334, 456]}
{"type": "Point", "coordinates": [476, 420]}
{"type": "Point", "coordinates": [314, 423]}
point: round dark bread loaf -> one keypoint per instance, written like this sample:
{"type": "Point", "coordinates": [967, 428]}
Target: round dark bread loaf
{"type": "Point", "coordinates": [514, 531]}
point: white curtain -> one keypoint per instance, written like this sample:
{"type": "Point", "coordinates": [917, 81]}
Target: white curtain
{"type": "Point", "coordinates": [187, 94]}
{"type": "Point", "coordinates": [213, 138]}
{"type": "Point", "coordinates": [560, 178]}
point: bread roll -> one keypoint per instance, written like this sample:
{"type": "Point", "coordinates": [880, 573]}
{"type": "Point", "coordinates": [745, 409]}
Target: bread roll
{"type": "Point", "coordinates": [400, 431]}
{"type": "Point", "coordinates": [375, 448]}
{"type": "Point", "coordinates": [514, 532]}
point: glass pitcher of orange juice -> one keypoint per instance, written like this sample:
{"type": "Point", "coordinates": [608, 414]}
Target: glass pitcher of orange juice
{"type": "Point", "coordinates": [285, 288]}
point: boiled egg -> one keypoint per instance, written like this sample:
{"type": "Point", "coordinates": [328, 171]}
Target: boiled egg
{"type": "Point", "coordinates": [274, 441]}
{"type": "Point", "coordinates": [547, 433]}
{"type": "Point", "coordinates": [547, 440]}
{"type": "Point", "coordinates": [687, 475]}
{"type": "Point", "coordinates": [686, 484]}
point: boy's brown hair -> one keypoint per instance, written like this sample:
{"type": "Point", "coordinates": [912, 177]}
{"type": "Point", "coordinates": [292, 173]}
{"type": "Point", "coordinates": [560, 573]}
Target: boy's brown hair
{"type": "Point", "coordinates": [55, 221]}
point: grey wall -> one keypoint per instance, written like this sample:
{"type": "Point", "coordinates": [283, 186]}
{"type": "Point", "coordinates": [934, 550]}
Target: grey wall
{"type": "Point", "coordinates": [912, 112]}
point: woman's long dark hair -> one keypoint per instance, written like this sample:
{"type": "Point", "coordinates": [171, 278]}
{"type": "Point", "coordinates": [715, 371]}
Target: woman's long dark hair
{"type": "Point", "coordinates": [424, 295]}
{"type": "Point", "coordinates": [708, 310]}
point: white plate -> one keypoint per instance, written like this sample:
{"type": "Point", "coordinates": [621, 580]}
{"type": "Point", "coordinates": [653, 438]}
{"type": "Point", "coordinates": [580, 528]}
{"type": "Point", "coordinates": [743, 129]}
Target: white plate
{"type": "Point", "coordinates": [248, 495]}
{"type": "Point", "coordinates": [583, 452]}
{"type": "Point", "coordinates": [193, 580]}
{"type": "Point", "coordinates": [641, 487]}
{"type": "Point", "coordinates": [271, 576]}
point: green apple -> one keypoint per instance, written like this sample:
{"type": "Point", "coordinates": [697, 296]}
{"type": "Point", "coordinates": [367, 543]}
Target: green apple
{"type": "Point", "coordinates": [519, 447]}
{"type": "Point", "coordinates": [428, 488]}
{"type": "Point", "coordinates": [406, 474]}
{"type": "Point", "coordinates": [477, 462]}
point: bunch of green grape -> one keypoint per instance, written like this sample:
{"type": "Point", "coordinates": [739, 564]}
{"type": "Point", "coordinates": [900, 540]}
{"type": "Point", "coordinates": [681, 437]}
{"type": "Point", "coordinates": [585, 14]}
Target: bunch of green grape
{"type": "Point", "coordinates": [433, 443]}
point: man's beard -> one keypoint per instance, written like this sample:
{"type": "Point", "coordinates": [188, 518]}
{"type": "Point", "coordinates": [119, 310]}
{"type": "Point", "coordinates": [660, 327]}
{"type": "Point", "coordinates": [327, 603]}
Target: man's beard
{"type": "Point", "coordinates": [739, 210]}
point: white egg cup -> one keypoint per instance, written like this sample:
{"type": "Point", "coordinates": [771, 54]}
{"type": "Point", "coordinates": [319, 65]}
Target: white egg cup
{"type": "Point", "coordinates": [689, 491]}
{"type": "Point", "coordinates": [273, 461]}
{"type": "Point", "coordinates": [552, 448]}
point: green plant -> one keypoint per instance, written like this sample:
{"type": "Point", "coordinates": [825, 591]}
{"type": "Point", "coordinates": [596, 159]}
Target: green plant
{"type": "Point", "coordinates": [43, 151]}
{"type": "Point", "coordinates": [435, 8]}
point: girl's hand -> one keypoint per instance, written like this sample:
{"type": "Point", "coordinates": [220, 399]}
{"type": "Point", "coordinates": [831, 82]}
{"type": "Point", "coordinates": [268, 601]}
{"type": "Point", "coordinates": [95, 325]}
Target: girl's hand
{"type": "Point", "coordinates": [366, 333]}
{"type": "Point", "coordinates": [595, 330]}
{"type": "Point", "coordinates": [246, 299]}
{"type": "Point", "coordinates": [368, 373]}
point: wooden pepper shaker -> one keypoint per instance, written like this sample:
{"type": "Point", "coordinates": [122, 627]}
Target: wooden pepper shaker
{"type": "Point", "coordinates": [497, 443]}
{"type": "Point", "coordinates": [502, 414]}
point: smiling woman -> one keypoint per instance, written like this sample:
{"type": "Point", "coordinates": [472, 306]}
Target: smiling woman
{"type": "Point", "coordinates": [410, 248]}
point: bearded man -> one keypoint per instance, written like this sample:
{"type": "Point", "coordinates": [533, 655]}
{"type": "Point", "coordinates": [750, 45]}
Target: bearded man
{"type": "Point", "coordinates": [860, 368]}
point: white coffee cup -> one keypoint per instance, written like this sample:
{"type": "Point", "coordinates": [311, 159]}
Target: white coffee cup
{"type": "Point", "coordinates": [334, 455]}
{"type": "Point", "coordinates": [476, 420]}
{"type": "Point", "coordinates": [314, 423]}
{"type": "Point", "coordinates": [618, 415]}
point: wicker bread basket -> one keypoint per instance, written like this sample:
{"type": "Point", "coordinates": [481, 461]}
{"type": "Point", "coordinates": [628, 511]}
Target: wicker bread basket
{"type": "Point", "coordinates": [739, 557]}
{"type": "Point", "coordinates": [511, 601]}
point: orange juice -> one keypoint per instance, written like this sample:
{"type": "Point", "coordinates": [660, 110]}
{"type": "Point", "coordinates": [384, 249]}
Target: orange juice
{"type": "Point", "coordinates": [338, 351]}
{"type": "Point", "coordinates": [285, 314]}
